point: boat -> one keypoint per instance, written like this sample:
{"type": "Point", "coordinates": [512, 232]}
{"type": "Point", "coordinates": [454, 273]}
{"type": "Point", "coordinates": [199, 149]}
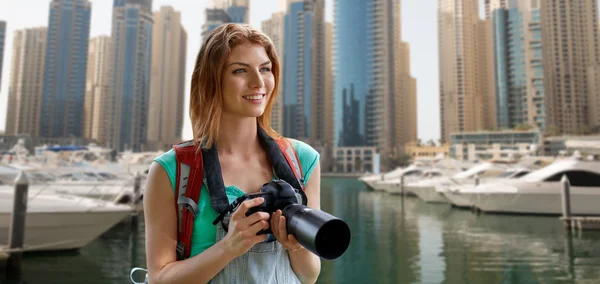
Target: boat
{"type": "Point", "coordinates": [427, 190]}
{"type": "Point", "coordinates": [540, 192]}
{"type": "Point", "coordinates": [58, 221]}
{"type": "Point", "coordinates": [453, 193]}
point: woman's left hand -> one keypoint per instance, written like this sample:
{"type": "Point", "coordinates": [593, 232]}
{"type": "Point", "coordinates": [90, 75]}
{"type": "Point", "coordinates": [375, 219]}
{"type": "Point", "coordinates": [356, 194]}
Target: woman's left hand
{"type": "Point", "coordinates": [278, 226]}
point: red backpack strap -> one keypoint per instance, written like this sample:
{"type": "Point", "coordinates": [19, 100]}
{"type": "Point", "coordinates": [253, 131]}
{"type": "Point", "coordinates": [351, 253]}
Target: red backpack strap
{"type": "Point", "coordinates": [291, 156]}
{"type": "Point", "coordinates": [190, 176]}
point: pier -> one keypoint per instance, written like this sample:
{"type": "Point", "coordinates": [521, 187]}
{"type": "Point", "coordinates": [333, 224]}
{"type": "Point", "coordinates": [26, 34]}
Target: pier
{"type": "Point", "coordinates": [575, 222]}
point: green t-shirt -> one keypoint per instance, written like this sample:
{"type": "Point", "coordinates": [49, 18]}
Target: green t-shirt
{"type": "Point", "coordinates": [204, 233]}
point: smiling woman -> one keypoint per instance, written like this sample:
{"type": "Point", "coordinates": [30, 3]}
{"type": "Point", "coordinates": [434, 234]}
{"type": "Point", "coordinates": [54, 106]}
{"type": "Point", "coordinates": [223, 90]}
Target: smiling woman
{"type": "Point", "coordinates": [233, 87]}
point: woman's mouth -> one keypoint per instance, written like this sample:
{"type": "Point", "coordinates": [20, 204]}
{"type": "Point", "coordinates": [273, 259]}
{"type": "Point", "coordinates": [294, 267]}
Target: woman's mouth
{"type": "Point", "coordinates": [256, 98]}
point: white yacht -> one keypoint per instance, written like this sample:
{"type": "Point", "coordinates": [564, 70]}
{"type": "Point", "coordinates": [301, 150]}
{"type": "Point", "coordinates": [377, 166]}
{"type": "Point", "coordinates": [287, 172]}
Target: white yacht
{"type": "Point", "coordinates": [373, 181]}
{"type": "Point", "coordinates": [453, 193]}
{"type": "Point", "coordinates": [540, 191]}
{"type": "Point", "coordinates": [392, 179]}
{"type": "Point", "coordinates": [60, 222]}
{"type": "Point", "coordinates": [427, 190]}
{"type": "Point", "coordinates": [394, 185]}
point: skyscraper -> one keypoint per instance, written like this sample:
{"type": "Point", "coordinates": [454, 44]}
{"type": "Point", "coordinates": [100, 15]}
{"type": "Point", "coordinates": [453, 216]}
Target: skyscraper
{"type": "Point", "coordinates": [326, 133]}
{"type": "Point", "coordinates": [2, 37]}
{"type": "Point", "coordinates": [519, 75]}
{"type": "Point", "coordinates": [368, 82]}
{"type": "Point", "coordinates": [65, 69]}
{"type": "Point", "coordinates": [132, 49]}
{"type": "Point", "coordinates": [303, 72]}
{"type": "Point", "coordinates": [98, 89]}
{"type": "Point", "coordinates": [570, 49]}
{"type": "Point", "coordinates": [226, 11]}
{"type": "Point", "coordinates": [26, 81]}
{"type": "Point", "coordinates": [273, 28]}
{"type": "Point", "coordinates": [167, 91]}
{"type": "Point", "coordinates": [464, 98]}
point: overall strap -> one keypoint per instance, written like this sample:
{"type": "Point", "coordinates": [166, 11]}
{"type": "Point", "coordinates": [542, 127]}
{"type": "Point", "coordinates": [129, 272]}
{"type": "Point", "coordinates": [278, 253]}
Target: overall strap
{"type": "Point", "coordinates": [190, 176]}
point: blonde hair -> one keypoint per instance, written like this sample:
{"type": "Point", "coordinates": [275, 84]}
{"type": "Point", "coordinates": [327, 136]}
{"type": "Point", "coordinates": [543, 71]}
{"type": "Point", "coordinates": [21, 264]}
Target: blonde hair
{"type": "Point", "coordinates": [206, 96]}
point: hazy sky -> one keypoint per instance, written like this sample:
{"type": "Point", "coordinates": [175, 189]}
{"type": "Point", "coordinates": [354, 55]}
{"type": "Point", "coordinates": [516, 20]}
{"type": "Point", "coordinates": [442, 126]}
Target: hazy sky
{"type": "Point", "coordinates": [419, 29]}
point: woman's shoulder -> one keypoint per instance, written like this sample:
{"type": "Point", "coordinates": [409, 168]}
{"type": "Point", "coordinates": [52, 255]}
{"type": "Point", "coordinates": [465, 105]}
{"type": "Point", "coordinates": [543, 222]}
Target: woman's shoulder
{"type": "Point", "coordinates": [303, 149]}
{"type": "Point", "coordinates": [308, 156]}
{"type": "Point", "coordinates": [168, 160]}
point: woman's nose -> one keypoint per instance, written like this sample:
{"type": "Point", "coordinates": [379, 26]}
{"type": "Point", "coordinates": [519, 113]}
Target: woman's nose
{"type": "Point", "coordinates": [256, 80]}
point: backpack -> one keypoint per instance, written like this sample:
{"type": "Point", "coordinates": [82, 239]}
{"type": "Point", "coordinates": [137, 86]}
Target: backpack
{"type": "Point", "coordinates": [189, 180]}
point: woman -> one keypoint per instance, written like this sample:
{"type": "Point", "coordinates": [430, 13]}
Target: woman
{"type": "Point", "coordinates": [234, 85]}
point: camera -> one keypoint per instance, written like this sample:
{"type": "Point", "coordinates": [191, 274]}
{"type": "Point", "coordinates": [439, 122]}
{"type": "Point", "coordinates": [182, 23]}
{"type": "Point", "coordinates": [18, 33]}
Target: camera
{"type": "Point", "coordinates": [323, 234]}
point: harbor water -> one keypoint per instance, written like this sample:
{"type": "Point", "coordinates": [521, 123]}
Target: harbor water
{"type": "Point", "coordinates": [394, 240]}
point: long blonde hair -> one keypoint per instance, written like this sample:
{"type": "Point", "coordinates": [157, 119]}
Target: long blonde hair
{"type": "Point", "coordinates": [206, 96]}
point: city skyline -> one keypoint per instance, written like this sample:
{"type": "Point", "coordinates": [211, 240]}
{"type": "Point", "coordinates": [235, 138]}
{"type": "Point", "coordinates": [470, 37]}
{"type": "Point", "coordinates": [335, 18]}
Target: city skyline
{"type": "Point", "coordinates": [428, 128]}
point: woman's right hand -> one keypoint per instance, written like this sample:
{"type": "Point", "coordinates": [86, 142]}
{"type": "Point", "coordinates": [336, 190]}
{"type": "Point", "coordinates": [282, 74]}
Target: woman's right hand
{"type": "Point", "coordinates": [241, 235]}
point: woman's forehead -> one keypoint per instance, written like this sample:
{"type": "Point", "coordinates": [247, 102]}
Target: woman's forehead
{"type": "Point", "coordinates": [248, 53]}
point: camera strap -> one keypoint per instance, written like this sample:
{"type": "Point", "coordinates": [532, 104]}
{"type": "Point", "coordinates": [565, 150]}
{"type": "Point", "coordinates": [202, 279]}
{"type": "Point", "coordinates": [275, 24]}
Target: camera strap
{"type": "Point", "coordinates": [230, 209]}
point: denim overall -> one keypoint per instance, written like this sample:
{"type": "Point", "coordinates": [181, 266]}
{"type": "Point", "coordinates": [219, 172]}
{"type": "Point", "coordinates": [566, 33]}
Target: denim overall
{"type": "Point", "coordinates": [264, 263]}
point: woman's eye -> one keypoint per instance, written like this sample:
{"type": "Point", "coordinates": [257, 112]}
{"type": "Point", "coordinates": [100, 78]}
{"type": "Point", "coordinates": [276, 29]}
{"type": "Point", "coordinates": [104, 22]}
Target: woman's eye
{"type": "Point", "coordinates": [265, 69]}
{"type": "Point", "coordinates": [239, 71]}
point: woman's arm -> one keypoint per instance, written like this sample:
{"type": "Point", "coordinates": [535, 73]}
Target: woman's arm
{"type": "Point", "coordinates": [305, 264]}
{"type": "Point", "coordinates": [161, 236]}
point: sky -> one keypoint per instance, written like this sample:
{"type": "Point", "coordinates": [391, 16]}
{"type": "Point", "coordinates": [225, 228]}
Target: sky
{"type": "Point", "coordinates": [419, 29]}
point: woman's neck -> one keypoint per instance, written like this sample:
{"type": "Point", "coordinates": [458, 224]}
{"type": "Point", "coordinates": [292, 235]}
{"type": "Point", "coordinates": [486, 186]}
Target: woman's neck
{"type": "Point", "coordinates": [238, 136]}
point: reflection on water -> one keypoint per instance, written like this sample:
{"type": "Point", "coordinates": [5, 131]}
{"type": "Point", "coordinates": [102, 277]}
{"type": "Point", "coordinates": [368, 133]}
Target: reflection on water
{"type": "Point", "coordinates": [393, 241]}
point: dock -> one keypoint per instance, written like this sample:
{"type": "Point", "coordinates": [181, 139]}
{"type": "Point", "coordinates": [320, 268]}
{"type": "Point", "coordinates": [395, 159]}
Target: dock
{"type": "Point", "coordinates": [581, 223]}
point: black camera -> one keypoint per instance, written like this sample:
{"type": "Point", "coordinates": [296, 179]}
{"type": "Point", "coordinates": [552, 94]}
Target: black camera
{"type": "Point", "coordinates": [321, 233]}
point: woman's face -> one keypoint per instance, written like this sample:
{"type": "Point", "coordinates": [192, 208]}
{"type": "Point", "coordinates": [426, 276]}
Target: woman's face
{"type": "Point", "coordinates": [247, 81]}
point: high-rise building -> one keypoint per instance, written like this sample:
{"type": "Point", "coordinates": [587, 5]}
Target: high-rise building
{"type": "Point", "coordinates": [2, 37]}
{"type": "Point", "coordinates": [570, 49]}
{"type": "Point", "coordinates": [405, 98]}
{"type": "Point", "coordinates": [167, 91]}
{"type": "Point", "coordinates": [273, 28]}
{"type": "Point", "coordinates": [98, 89]}
{"type": "Point", "coordinates": [303, 72]}
{"type": "Point", "coordinates": [132, 49]}
{"type": "Point", "coordinates": [369, 85]}
{"type": "Point", "coordinates": [462, 43]}
{"type": "Point", "coordinates": [327, 135]}
{"type": "Point", "coordinates": [519, 74]}
{"type": "Point", "coordinates": [65, 69]}
{"type": "Point", "coordinates": [26, 81]}
{"type": "Point", "coordinates": [226, 11]}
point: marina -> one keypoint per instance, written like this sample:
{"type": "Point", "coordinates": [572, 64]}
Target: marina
{"type": "Point", "coordinates": [83, 215]}
{"type": "Point", "coordinates": [395, 240]}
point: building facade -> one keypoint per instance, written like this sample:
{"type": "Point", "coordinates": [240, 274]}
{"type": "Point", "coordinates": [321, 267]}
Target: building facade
{"type": "Point", "coordinates": [519, 74]}
{"type": "Point", "coordinates": [303, 73]}
{"type": "Point", "coordinates": [65, 69]}
{"type": "Point", "coordinates": [167, 91]}
{"type": "Point", "coordinates": [2, 41]}
{"type": "Point", "coordinates": [26, 82]}
{"type": "Point", "coordinates": [463, 44]}
{"type": "Point", "coordinates": [355, 159]}
{"type": "Point", "coordinates": [98, 89]}
{"type": "Point", "coordinates": [274, 28]}
{"type": "Point", "coordinates": [226, 11]}
{"type": "Point", "coordinates": [370, 89]}
{"type": "Point", "coordinates": [485, 145]}
{"type": "Point", "coordinates": [132, 49]}
{"type": "Point", "coordinates": [570, 48]}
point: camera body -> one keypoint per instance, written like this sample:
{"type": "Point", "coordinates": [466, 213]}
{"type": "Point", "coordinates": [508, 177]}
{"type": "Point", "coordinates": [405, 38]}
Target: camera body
{"type": "Point", "coordinates": [278, 195]}
{"type": "Point", "coordinates": [318, 231]}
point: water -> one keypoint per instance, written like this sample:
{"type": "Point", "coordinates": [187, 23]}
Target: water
{"type": "Point", "coordinates": [393, 241]}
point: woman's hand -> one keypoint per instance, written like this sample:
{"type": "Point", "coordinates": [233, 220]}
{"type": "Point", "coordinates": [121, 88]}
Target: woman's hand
{"type": "Point", "coordinates": [278, 226]}
{"type": "Point", "coordinates": [241, 235]}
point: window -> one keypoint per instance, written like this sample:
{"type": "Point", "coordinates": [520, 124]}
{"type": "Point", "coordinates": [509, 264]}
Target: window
{"type": "Point", "coordinates": [577, 178]}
